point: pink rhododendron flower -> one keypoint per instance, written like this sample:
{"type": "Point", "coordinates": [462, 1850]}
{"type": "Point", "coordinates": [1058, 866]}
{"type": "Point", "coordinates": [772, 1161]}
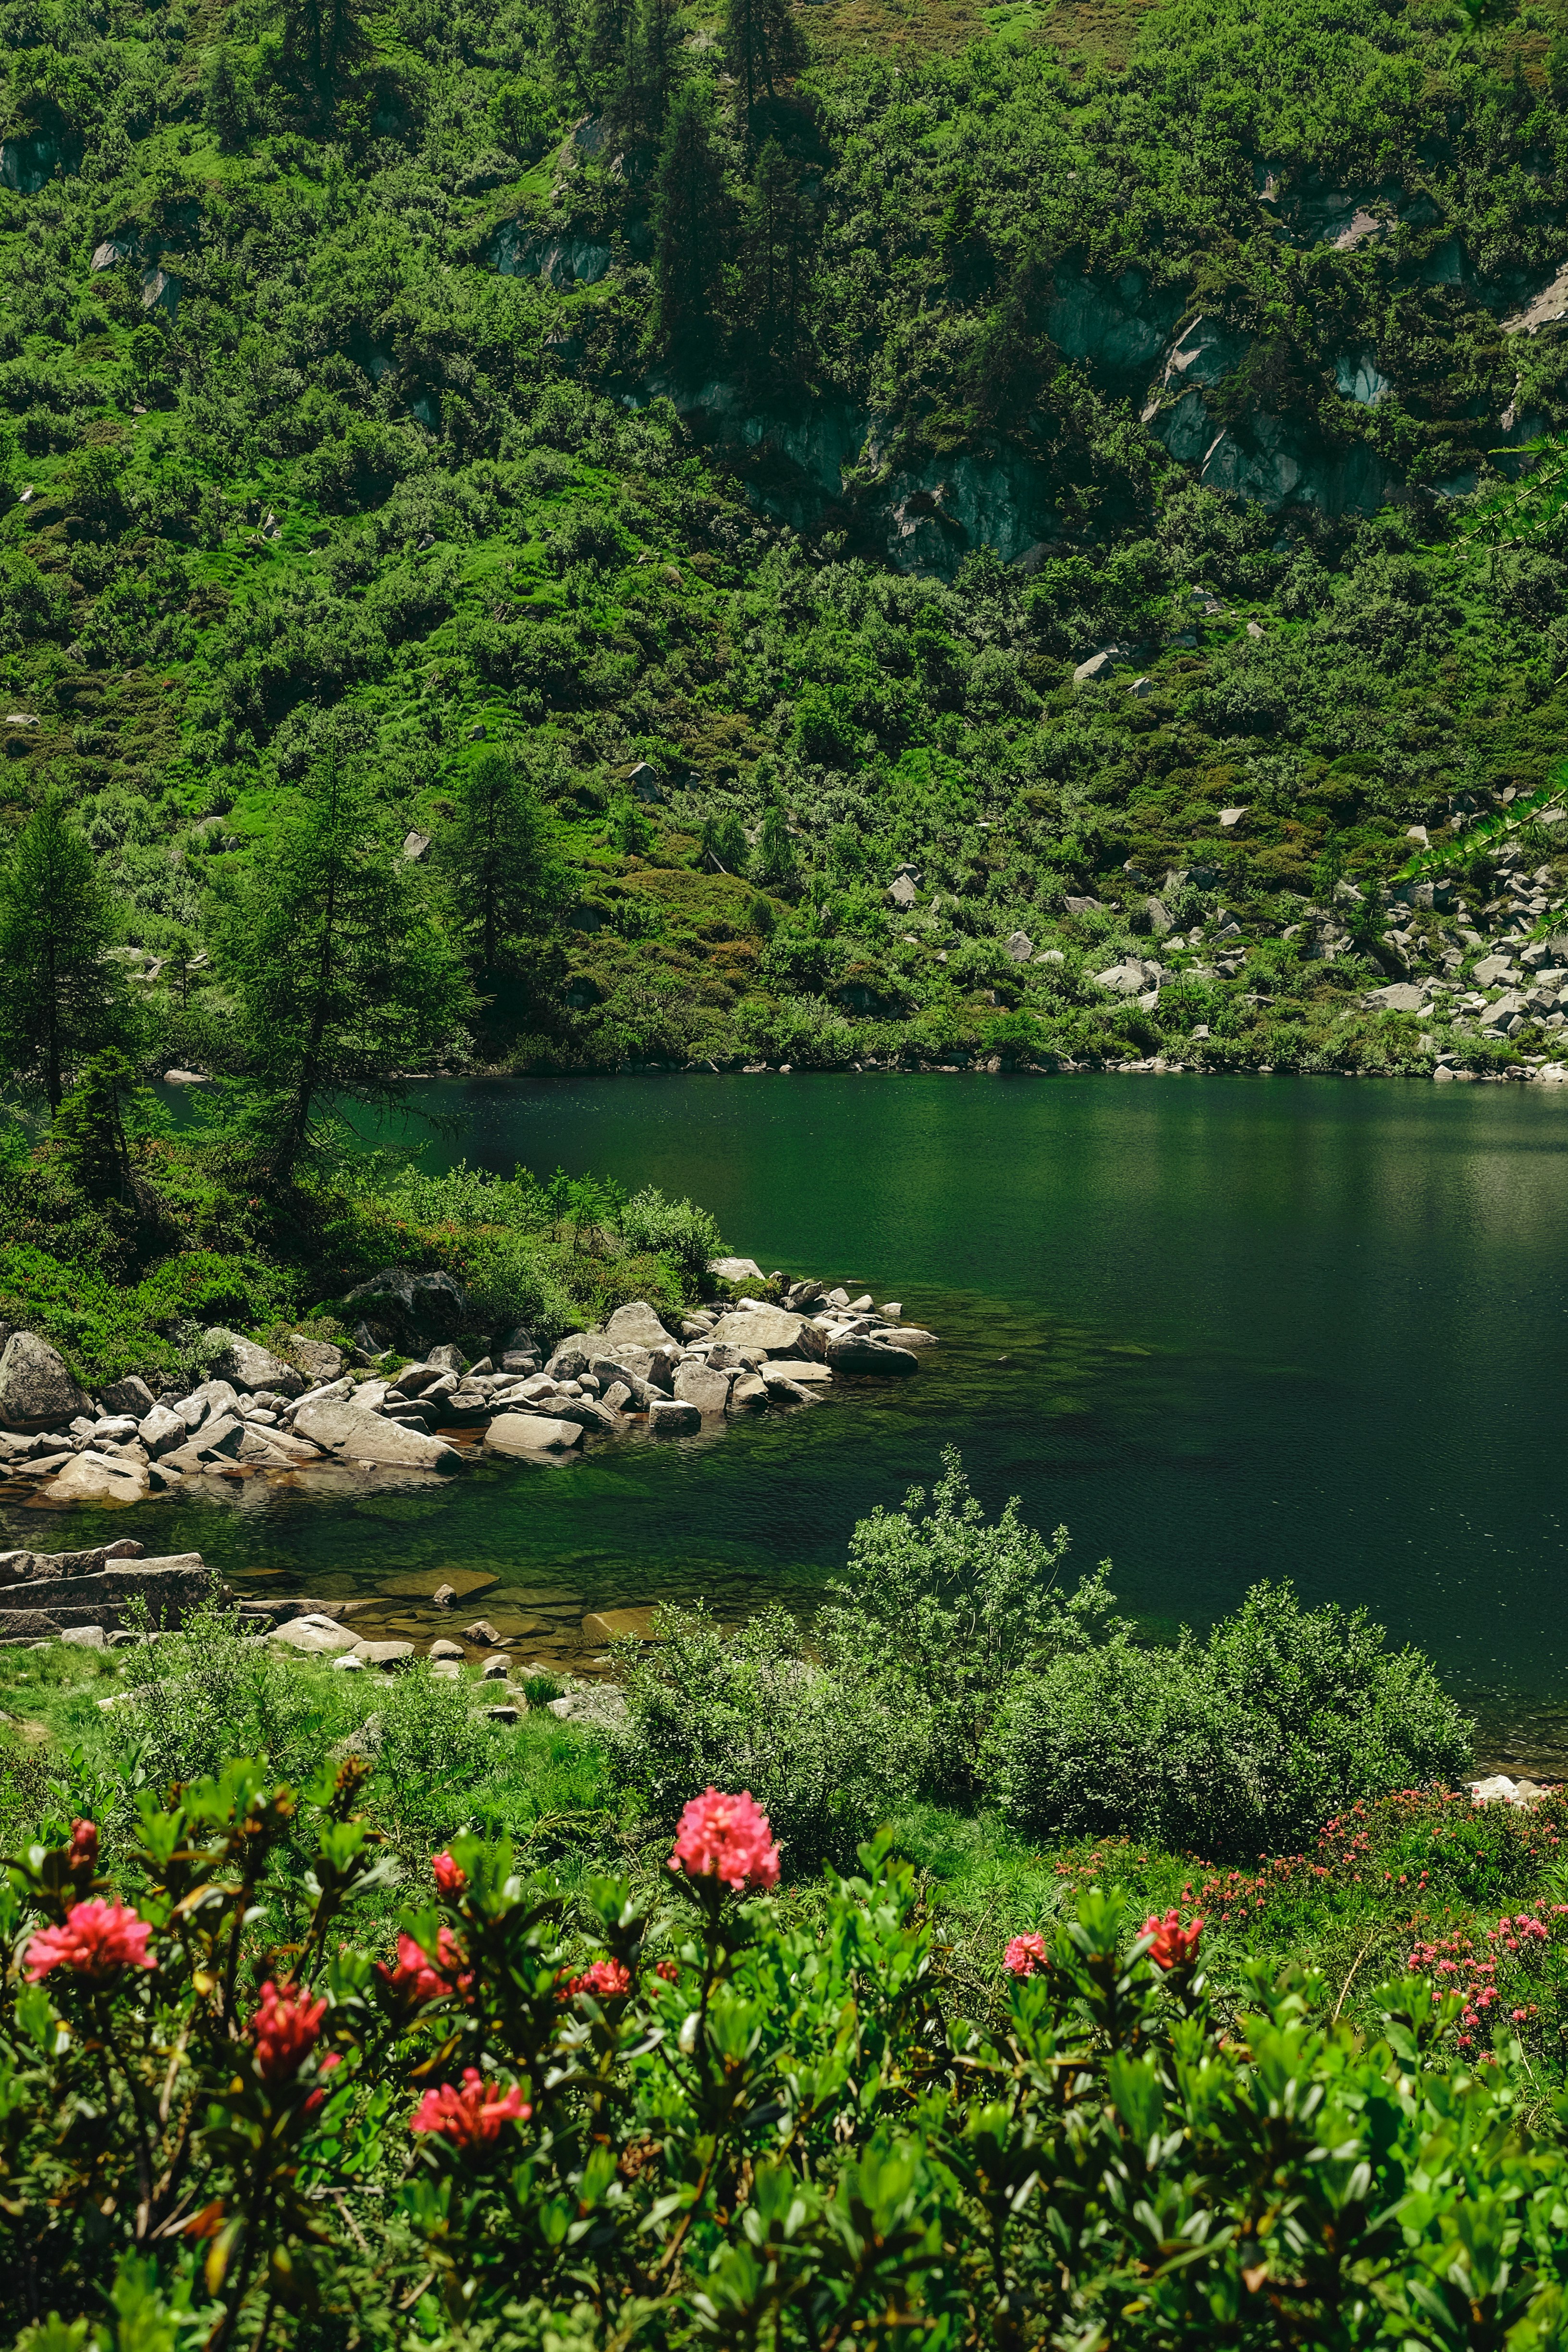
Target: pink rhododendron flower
{"type": "Point", "coordinates": [84, 1847]}
{"type": "Point", "coordinates": [1175, 1947]}
{"type": "Point", "coordinates": [97, 1939]}
{"type": "Point", "coordinates": [447, 1875]}
{"type": "Point", "coordinates": [727, 1838]}
{"type": "Point", "coordinates": [471, 2117]}
{"type": "Point", "coordinates": [286, 2026]}
{"type": "Point", "coordinates": [418, 1978]}
{"type": "Point", "coordinates": [1024, 1955]}
{"type": "Point", "coordinates": [668, 1971]}
{"type": "Point", "coordinates": [607, 1979]}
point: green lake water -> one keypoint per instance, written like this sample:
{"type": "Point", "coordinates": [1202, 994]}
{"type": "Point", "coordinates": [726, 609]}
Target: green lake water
{"type": "Point", "coordinates": [1223, 1329]}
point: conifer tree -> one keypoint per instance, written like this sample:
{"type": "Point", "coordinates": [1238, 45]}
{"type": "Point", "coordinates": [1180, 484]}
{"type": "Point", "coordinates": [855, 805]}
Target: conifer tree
{"type": "Point", "coordinates": [688, 219]}
{"type": "Point", "coordinates": [506, 881]}
{"type": "Point", "coordinates": [60, 999]}
{"type": "Point", "coordinates": [761, 44]}
{"type": "Point", "coordinates": [777, 234]}
{"type": "Point", "coordinates": [653, 62]}
{"type": "Point", "coordinates": [346, 977]}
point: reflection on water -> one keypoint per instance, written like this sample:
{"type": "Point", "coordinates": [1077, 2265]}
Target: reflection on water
{"type": "Point", "coordinates": [1223, 1329]}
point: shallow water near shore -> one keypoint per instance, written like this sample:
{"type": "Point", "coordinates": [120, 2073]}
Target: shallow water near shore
{"type": "Point", "coordinates": [1221, 1328]}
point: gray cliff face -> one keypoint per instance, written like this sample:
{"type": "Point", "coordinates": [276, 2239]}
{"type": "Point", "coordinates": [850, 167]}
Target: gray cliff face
{"type": "Point", "coordinates": [826, 464]}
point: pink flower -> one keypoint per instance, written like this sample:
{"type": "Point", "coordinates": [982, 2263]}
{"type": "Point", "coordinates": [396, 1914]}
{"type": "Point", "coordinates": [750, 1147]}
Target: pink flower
{"type": "Point", "coordinates": [727, 1838]}
{"type": "Point", "coordinates": [1024, 1955]}
{"type": "Point", "coordinates": [1173, 1946]}
{"type": "Point", "coordinates": [418, 1978]}
{"type": "Point", "coordinates": [286, 2026]}
{"type": "Point", "coordinates": [98, 1939]}
{"type": "Point", "coordinates": [83, 1852]}
{"type": "Point", "coordinates": [606, 1980]}
{"type": "Point", "coordinates": [668, 1971]}
{"type": "Point", "coordinates": [471, 2117]}
{"type": "Point", "coordinates": [448, 1877]}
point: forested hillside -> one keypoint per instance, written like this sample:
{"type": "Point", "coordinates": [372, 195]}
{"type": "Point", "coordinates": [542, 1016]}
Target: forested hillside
{"type": "Point", "coordinates": [673, 464]}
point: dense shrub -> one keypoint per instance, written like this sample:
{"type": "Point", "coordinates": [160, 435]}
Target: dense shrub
{"type": "Point", "coordinates": [1235, 1747]}
{"type": "Point", "coordinates": [685, 2113]}
{"type": "Point", "coordinates": [830, 1757]}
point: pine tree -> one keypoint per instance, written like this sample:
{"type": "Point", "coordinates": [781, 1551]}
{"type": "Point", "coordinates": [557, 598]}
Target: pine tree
{"type": "Point", "coordinates": [225, 100]}
{"type": "Point", "coordinates": [346, 977]}
{"type": "Point", "coordinates": [59, 999]}
{"type": "Point", "coordinates": [778, 240]}
{"type": "Point", "coordinates": [689, 219]}
{"type": "Point", "coordinates": [761, 44]}
{"type": "Point", "coordinates": [89, 1130]}
{"type": "Point", "coordinates": [506, 882]}
{"type": "Point", "coordinates": [653, 65]}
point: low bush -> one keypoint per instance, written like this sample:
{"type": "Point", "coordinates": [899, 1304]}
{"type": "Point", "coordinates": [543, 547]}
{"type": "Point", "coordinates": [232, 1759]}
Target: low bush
{"type": "Point", "coordinates": [829, 1756]}
{"type": "Point", "coordinates": [684, 2113]}
{"type": "Point", "coordinates": [1232, 1748]}
{"type": "Point", "coordinates": [949, 1665]}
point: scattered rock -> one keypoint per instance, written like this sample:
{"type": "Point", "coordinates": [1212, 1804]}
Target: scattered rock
{"type": "Point", "coordinates": [672, 1417]}
{"type": "Point", "coordinates": [38, 1390]}
{"type": "Point", "coordinates": [768, 1330]}
{"type": "Point", "coordinates": [735, 1269]}
{"type": "Point", "coordinates": [386, 1655]}
{"type": "Point", "coordinates": [248, 1367]}
{"type": "Point", "coordinates": [482, 1632]}
{"type": "Point", "coordinates": [358, 1437]}
{"type": "Point", "coordinates": [314, 1636]}
{"type": "Point", "coordinates": [530, 1432]}
{"type": "Point", "coordinates": [130, 1395]}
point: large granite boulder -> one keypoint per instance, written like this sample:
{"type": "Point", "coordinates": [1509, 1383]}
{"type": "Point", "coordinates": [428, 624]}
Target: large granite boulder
{"type": "Point", "coordinates": [635, 1325]}
{"type": "Point", "coordinates": [248, 1366]}
{"type": "Point", "coordinates": [90, 1477]}
{"type": "Point", "coordinates": [411, 1309]}
{"type": "Point", "coordinates": [130, 1395]}
{"type": "Point", "coordinates": [355, 1436]}
{"type": "Point", "coordinates": [38, 1389]}
{"type": "Point", "coordinates": [532, 1432]}
{"type": "Point", "coordinates": [699, 1384]}
{"type": "Point", "coordinates": [767, 1331]}
{"type": "Point", "coordinates": [317, 1357]}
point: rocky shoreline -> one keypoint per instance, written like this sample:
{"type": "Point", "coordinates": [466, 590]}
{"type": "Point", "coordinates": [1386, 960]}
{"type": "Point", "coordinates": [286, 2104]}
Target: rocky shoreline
{"type": "Point", "coordinates": [326, 1408]}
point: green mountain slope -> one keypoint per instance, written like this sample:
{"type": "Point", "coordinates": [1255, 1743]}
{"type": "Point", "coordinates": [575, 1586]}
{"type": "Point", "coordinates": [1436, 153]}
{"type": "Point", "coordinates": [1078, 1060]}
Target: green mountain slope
{"type": "Point", "coordinates": [381, 385]}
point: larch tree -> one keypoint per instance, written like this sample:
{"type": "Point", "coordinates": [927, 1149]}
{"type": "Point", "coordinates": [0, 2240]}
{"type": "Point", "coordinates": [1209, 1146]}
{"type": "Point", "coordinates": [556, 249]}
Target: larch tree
{"type": "Point", "coordinates": [63, 996]}
{"type": "Point", "coordinates": [346, 974]}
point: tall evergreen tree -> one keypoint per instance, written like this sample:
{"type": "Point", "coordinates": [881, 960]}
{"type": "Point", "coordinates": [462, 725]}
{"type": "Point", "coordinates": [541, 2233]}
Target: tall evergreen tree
{"type": "Point", "coordinates": [61, 1001]}
{"type": "Point", "coordinates": [689, 219]}
{"type": "Point", "coordinates": [346, 977]}
{"type": "Point", "coordinates": [653, 64]}
{"type": "Point", "coordinates": [506, 882]}
{"type": "Point", "coordinates": [777, 241]}
{"type": "Point", "coordinates": [760, 42]}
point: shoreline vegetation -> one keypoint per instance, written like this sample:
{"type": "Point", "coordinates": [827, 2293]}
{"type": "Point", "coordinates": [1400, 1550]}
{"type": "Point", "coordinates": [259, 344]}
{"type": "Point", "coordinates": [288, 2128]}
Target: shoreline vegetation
{"type": "Point", "coordinates": [1187, 1873]}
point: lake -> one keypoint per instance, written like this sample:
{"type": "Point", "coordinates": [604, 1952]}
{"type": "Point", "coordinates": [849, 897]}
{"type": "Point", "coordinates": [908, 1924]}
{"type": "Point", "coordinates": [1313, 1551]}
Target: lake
{"type": "Point", "coordinates": [1221, 1328]}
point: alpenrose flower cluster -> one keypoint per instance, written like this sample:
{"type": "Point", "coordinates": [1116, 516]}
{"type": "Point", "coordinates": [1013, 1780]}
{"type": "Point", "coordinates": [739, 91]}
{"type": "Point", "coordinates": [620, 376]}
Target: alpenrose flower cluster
{"type": "Point", "coordinates": [606, 1979]}
{"type": "Point", "coordinates": [728, 1839]}
{"type": "Point", "coordinates": [1173, 1946]}
{"type": "Point", "coordinates": [417, 1977]}
{"type": "Point", "coordinates": [97, 1941]}
{"type": "Point", "coordinates": [1025, 1954]}
{"type": "Point", "coordinates": [473, 2117]}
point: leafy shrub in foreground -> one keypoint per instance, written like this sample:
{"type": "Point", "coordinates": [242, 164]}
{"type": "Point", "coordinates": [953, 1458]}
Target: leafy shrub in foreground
{"type": "Point", "coordinates": [688, 2117]}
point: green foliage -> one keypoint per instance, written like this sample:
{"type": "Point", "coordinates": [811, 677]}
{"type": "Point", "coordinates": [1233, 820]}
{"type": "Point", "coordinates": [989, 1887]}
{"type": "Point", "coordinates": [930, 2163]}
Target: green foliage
{"type": "Point", "coordinates": [1234, 1747]}
{"type": "Point", "coordinates": [506, 883]}
{"type": "Point", "coordinates": [345, 976]}
{"type": "Point", "coordinates": [60, 1000]}
{"type": "Point", "coordinates": [712, 2113]}
{"type": "Point", "coordinates": [826, 1756]}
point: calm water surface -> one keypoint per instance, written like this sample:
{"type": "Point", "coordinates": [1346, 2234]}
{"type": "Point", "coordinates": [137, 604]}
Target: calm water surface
{"type": "Point", "coordinates": [1223, 1329]}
